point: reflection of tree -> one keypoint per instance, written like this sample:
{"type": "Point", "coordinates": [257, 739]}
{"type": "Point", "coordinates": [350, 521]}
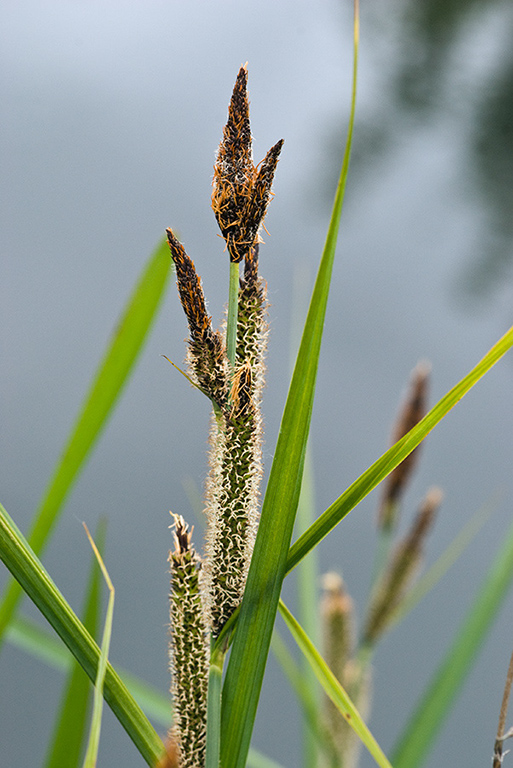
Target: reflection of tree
{"type": "Point", "coordinates": [432, 28]}
{"type": "Point", "coordinates": [425, 79]}
{"type": "Point", "coordinates": [428, 31]}
{"type": "Point", "coordinates": [492, 156]}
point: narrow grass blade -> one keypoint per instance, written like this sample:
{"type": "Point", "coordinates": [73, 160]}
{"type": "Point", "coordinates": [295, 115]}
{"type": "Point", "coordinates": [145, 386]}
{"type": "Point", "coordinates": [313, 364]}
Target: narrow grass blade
{"type": "Point", "coordinates": [301, 684]}
{"type": "Point", "coordinates": [303, 679]}
{"type": "Point", "coordinates": [248, 656]}
{"type": "Point", "coordinates": [35, 581]}
{"type": "Point", "coordinates": [333, 688]}
{"type": "Point", "coordinates": [423, 727]}
{"type": "Point", "coordinates": [389, 460]}
{"type": "Point", "coordinates": [308, 611]}
{"type": "Point", "coordinates": [68, 740]}
{"type": "Point", "coordinates": [106, 387]}
{"type": "Point", "coordinates": [94, 734]}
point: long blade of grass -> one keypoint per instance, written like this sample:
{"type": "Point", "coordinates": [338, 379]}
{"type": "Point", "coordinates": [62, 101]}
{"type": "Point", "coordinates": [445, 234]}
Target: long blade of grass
{"type": "Point", "coordinates": [303, 679]}
{"type": "Point", "coordinates": [308, 611]}
{"type": "Point", "coordinates": [422, 729]}
{"type": "Point", "coordinates": [301, 685]}
{"type": "Point", "coordinates": [248, 657]}
{"type": "Point", "coordinates": [94, 734]}
{"type": "Point", "coordinates": [332, 687]}
{"type": "Point", "coordinates": [35, 581]}
{"type": "Point", "coordinates": [105, 389]}
{"type": "Point", "coordinates": [67, 742]}
{"type": "Point", "coordinates": [389, 460]}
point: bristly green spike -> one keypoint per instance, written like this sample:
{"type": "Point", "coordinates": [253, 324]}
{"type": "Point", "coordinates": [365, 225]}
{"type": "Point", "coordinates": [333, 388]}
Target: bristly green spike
{"type": "Point", "coordinates": [189, 652]}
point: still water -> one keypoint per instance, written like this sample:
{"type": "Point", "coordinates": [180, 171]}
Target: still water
{"type": "Point", "coordinates": [112, 117]}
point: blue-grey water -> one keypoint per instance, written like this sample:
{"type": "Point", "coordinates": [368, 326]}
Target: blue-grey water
{"type": "Point", "coordinates": [112, 114]}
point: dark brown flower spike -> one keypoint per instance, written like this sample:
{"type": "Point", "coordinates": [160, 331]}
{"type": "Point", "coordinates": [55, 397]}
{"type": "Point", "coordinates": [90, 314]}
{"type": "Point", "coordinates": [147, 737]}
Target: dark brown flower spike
{"type": "Point", "coordinates": [241, 192]}
{"type": "Point", "coordinates": [206, 348]}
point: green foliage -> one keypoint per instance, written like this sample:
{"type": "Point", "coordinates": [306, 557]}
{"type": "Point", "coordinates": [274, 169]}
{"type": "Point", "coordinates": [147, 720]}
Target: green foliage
{"type": "Point", "coordinates": [67, 742]}
{"type": "Point", "coordinates": [37, 584]}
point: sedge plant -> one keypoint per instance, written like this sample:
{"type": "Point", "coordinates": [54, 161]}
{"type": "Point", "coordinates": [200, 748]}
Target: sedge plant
{"type": "Point", "coordinates": [224, 602]}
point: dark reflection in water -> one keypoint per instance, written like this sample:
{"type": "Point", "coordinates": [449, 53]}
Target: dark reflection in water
{"type": "Point", "coordinates": [451, 59]}
{"type": "Point", "coordinates": [491, 154]}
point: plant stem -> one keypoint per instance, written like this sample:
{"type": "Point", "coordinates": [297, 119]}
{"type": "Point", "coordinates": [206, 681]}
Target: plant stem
{"type": "Point", "coordinates": [215, 678]}
{"type": "Point", "coordinates": [231, 323]}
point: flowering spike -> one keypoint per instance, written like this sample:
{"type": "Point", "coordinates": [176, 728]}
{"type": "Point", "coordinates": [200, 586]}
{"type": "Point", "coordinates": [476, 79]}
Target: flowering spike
{"type": "Point", "coordinates": [338, 628]}
{"type": "Point", "coordinates": [207, 358]}
{"type": "Point", "coordinates": [233, 485]}
{"type": "Point", "coordinates": [188, 651]}
{"type": "Point", "coordinates": [241, 192]}
{"type": "Point", "coordinates": [402, 567]}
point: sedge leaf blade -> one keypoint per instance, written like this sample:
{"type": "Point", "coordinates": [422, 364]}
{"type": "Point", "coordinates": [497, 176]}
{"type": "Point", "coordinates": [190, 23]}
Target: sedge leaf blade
{"type": "Point", "coordinates": [67, 743]}
{"type": "Point", "coordinates": [28, 570]}
{"type": "Point", "coordinates": [332, 687]}
{"type": "Point", "coordinates": [91, 757]}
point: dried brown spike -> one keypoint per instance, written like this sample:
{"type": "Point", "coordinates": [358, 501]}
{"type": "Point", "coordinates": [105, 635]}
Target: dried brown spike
{"type": "Point", "coordinates": [236, 145]}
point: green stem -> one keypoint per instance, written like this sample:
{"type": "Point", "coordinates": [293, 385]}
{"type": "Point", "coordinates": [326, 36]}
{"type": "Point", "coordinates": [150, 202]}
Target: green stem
{"type": "Point", "coordinates": [215, 679]}
{"type": "Point", "coordinates": [231, 323]}
{"type": "Point", "coordinates": [381, 556]}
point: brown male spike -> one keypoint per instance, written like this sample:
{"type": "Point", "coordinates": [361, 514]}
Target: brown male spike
{"type": "Point", "coordinates": [207, 357]}
{"type": "Point", "coordinates": [241, 192]}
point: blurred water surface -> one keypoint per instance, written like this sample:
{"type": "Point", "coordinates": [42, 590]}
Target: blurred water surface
{"type": "Point", "coordinates": [112, 114]}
